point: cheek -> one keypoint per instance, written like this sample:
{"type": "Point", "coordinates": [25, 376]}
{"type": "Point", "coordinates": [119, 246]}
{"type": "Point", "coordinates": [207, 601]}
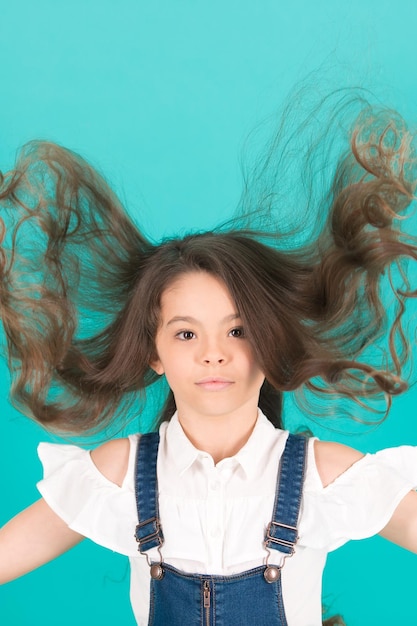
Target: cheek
{"type": "Point", "coordinates": [249, 357]}
{"type": "Point", "coordinates": [257, 377]}
{"type": "Point", "coordinates": [174, 365]}
{"type": "Point", "coordinates": [255, 372]}
{"type": "Point", "coordinates": [177, 380]}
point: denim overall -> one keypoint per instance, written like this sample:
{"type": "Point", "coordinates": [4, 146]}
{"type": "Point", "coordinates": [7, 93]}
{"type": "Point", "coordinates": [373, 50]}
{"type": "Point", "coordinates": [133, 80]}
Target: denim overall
{"type": "Point", "coordinates": [251, 598]}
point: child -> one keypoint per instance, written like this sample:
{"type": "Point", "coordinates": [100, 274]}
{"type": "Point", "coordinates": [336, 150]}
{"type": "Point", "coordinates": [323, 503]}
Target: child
{"type": "Point", "coordinates": [225, 517]}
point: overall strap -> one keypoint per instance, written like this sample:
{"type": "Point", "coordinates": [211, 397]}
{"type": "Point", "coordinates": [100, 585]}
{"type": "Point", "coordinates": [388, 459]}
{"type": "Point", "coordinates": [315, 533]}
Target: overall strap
{"type": "Point", "coordinates": [281, 533]}
{"type": "Point", "coordinates": [148, 531]}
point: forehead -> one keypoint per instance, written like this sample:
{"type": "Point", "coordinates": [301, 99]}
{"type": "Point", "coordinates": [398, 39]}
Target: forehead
{"type": "Point", "coordinates": [194, 291]}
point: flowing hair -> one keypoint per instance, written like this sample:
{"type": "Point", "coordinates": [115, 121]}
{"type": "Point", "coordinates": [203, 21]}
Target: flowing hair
{"type": "Point", "coordinates": [80, 285]}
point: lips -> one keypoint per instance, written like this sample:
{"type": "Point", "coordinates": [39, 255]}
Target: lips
{"type": "Point", "coordinates": [214, 383]}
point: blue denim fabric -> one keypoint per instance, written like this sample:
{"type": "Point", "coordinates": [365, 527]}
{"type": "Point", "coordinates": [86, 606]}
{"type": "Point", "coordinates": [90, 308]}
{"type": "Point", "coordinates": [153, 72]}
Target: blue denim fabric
{"type": "Point", "coordinates": [281, 534]}
{"type": "Point", "coordinates": [148, 532]}
{"type": "Point", "coordinates": [245, 599]}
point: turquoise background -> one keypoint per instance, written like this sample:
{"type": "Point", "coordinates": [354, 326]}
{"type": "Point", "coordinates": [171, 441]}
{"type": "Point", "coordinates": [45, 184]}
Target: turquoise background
{"type": "Point", "coordinates": [160, 96]}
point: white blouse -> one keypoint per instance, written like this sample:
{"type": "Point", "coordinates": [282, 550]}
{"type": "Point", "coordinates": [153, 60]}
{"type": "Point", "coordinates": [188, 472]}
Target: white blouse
{"type": "Point", "coordinates": [214, 516]}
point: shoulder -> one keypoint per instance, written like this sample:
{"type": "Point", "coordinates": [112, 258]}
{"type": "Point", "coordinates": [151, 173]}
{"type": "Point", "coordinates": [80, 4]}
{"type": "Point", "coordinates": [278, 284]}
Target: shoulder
{"type": "Point", "coordinates": [112, 459]}
{"type": "Point", "coordinates": [333, 459]}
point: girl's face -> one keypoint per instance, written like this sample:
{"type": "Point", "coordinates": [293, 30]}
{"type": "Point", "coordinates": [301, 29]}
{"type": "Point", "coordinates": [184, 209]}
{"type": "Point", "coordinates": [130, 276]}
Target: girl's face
{"type": "Point", "coordinates": [202, 349]}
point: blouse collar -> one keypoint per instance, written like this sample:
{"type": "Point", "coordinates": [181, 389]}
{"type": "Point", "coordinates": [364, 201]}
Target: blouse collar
{"type": "Point", "coordinates": [184, 454]}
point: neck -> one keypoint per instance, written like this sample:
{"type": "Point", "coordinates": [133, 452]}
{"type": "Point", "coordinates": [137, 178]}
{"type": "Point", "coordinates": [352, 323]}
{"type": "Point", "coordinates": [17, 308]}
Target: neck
{"type": "Point", "coordinates": [221, 436]}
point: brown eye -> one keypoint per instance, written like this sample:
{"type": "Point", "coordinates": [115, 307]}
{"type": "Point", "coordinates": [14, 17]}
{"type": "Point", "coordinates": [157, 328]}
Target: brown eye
{"type": "Point", "coordinates": [237, 332]}
{"type": "Point", "coordinates": [185, 335]}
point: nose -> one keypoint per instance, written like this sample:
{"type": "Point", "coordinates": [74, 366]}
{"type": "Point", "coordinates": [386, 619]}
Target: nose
{"type": "Point", "coordinates": [210, 359]}
{"type": "Point", "coordinates": [213, 353]}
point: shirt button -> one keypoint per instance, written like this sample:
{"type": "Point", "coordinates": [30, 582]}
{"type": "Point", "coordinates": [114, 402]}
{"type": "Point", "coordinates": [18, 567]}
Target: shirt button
{"type": "Point", "coordinates": [214, 485]}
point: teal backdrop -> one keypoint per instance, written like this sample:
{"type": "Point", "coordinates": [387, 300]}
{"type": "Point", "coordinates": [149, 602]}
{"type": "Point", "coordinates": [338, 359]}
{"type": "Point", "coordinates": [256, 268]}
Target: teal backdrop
{"type": "Point", "coordinates": [160, 96]}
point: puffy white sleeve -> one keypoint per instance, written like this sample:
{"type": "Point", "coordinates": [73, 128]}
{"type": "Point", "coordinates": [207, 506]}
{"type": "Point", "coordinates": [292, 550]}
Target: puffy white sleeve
{"type": "Point", "coordinates": [360, 502]}
{"type": "Point", "coordinates": [89, 503]}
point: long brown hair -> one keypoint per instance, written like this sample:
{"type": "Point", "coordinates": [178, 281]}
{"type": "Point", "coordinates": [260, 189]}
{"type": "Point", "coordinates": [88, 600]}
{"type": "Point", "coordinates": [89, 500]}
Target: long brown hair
{"type": "Point", "coordinates": [80, 284]}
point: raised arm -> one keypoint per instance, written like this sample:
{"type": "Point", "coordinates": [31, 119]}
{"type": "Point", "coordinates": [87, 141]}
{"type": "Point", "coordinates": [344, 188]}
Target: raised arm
{"type": "Point", "coordinates": [34, 537]}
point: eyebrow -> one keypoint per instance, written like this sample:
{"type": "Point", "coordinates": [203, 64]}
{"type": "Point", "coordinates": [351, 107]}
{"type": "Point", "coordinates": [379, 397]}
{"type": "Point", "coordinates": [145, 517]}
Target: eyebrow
{"type": "Point", "coordinates": [193, 320]}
